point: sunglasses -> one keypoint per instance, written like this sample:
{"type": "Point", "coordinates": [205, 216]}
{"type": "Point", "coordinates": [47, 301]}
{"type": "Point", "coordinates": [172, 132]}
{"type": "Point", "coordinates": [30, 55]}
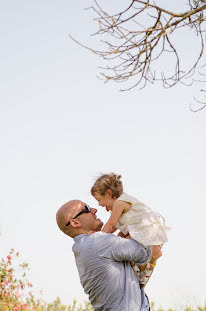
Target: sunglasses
{"type": "Point", "coordinates": [86, 209]}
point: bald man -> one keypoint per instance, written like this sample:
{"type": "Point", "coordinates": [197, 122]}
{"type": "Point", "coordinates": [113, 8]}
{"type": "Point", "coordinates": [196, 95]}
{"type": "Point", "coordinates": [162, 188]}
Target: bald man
{"type": "Point", "coordinates": [103, 260]}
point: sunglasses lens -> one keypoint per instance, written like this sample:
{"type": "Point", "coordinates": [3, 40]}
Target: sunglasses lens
{"type": "Point", "coordinates": [87, 209]}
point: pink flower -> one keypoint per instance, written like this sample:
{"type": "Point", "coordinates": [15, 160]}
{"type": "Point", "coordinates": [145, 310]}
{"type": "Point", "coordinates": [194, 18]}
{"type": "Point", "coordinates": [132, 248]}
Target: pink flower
{"type": "Point", "coordinates": [9, 257]}
{"type": "Point", "coordinates": [23, 306]}
{"type": "Point", "coordinates": [18, 294]}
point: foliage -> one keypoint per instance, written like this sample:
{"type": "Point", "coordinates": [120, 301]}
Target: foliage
{"type": "Point", "coordinates": [186, 308]}
{"type": "Point", "coordinates": [15, 291]}
{"type": "Point", "coordinates": [58, 306]}
{"type": "Point", "coordinates": [16, 294]}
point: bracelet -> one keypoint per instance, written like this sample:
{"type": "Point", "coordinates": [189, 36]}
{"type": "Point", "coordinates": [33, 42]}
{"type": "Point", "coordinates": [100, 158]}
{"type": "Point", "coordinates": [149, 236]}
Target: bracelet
{"type": "Point", "coordinates": [153, 265]}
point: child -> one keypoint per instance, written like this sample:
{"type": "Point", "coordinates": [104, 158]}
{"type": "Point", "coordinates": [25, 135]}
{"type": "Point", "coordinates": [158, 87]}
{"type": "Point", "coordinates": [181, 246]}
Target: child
{"type": "Point", "coordinates": [130, 216]}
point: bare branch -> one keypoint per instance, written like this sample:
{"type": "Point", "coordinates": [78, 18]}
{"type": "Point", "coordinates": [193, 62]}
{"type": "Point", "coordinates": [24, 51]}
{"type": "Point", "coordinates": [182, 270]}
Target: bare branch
{"type": "Point", "coordinates": [139, 37]}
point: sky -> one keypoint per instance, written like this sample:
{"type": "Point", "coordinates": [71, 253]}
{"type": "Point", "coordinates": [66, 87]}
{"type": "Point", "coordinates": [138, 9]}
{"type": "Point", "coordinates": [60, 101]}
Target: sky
{"type": "Point", "coordinates": [61, 127]}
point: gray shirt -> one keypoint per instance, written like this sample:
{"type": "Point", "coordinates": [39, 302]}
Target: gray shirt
{"type": "Point", "coordinates": [103, 263]}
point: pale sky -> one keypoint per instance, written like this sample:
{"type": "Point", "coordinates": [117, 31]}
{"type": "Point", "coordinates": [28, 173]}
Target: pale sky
{"type": "Point", "coordinates": [61, 126]}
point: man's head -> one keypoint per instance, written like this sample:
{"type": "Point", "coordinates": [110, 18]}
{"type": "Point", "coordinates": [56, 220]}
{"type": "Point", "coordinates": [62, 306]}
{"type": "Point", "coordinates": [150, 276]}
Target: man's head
{"type": "Point", "coordinates": [74, 218]}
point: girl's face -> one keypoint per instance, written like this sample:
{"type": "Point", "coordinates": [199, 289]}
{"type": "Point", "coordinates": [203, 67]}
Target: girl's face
{"type": "Point", "coordinates": [105, 200]}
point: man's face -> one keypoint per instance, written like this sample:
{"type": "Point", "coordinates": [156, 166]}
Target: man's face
{"type": "Point", "coordinates": [88, 221]}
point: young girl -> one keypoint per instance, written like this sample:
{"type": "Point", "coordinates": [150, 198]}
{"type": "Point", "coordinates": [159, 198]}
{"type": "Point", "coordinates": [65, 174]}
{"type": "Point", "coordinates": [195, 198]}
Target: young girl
{"type": "Point", "coordinates": [130, 216]}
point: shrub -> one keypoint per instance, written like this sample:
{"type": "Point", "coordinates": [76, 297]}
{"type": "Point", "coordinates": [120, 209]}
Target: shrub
{"type": "Point", "coordinates": [15, 291]}
{"type": "Point", "coordinates": [16, 294]}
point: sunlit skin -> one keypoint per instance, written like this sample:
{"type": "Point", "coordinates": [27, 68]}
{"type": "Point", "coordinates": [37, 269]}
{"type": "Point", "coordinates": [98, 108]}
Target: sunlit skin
{"type": "Point", "coordinates": [118, 208]}
{"type": "Point", "coordinates": [85, 223]}
{"type": "Point", "coordinates": [105, 200]}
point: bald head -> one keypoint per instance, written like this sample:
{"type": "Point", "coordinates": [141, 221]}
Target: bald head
{"type": "Point", "coordinates": [85, 223]}
{"type": "Point", "coordinates": [66, 213]}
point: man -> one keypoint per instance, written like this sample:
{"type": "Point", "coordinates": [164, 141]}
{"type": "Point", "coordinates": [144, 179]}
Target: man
{"type": "Point", "coordinates": [103, 260]}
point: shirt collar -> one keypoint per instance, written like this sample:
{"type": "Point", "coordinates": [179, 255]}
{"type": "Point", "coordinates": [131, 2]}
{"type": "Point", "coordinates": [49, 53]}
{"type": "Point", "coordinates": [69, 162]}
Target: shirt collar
{"type": "Point", "coordinates": [79, 237]}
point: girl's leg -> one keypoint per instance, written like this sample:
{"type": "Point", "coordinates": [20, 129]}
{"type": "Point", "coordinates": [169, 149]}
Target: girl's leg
{"type": "Point", "coordinates": [144, 272]}
{"type": "Point", "coordinates": [147, 270]}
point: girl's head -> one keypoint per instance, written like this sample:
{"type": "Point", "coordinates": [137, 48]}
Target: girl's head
{"type": "Point", "coordinates": [106, 189]}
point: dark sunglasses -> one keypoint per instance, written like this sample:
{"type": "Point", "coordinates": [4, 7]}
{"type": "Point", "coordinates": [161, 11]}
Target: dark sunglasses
{"type": "Point", "coordinates": [86, 209]}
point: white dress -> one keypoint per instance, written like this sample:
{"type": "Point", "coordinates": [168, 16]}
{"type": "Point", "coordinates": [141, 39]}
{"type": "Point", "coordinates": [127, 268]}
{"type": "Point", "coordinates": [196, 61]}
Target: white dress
{"type": "Point", "coordinates": [143, 224]}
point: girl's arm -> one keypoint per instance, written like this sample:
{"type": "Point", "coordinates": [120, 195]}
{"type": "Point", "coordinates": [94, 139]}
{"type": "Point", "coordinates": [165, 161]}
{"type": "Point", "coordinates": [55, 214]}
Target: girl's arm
{"type": "Point", "coordinates": [118, 209]}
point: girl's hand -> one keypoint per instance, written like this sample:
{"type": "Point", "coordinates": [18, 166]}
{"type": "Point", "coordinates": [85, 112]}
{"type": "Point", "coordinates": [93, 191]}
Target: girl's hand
{"type": "Point", "coordinates": [123, 235]}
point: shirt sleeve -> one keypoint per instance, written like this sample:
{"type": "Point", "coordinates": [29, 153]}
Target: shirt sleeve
{"type": "Point", "coordinates": [120, 249]}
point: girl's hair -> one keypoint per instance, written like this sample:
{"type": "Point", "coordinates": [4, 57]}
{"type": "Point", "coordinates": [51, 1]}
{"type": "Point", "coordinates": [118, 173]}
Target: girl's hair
{"type": "Point", "coordinates": [108, 182]}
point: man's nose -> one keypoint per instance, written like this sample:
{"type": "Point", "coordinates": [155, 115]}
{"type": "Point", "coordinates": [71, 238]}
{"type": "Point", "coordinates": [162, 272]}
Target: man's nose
{"type": "Point", "coordinates": [93, 210]}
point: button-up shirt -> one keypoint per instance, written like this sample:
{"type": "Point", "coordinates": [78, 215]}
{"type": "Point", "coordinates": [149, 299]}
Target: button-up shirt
{"type": "Point", "coordinates": [103, 262]}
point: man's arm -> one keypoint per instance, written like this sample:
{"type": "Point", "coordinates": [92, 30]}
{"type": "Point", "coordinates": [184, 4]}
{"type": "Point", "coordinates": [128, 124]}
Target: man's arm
{"type": "Point", "coordinates": [120, 249]}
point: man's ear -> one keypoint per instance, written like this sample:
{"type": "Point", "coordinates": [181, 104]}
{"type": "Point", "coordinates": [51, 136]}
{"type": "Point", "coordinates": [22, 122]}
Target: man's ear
{"type": "Point", "coordinates": [75, 223]}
